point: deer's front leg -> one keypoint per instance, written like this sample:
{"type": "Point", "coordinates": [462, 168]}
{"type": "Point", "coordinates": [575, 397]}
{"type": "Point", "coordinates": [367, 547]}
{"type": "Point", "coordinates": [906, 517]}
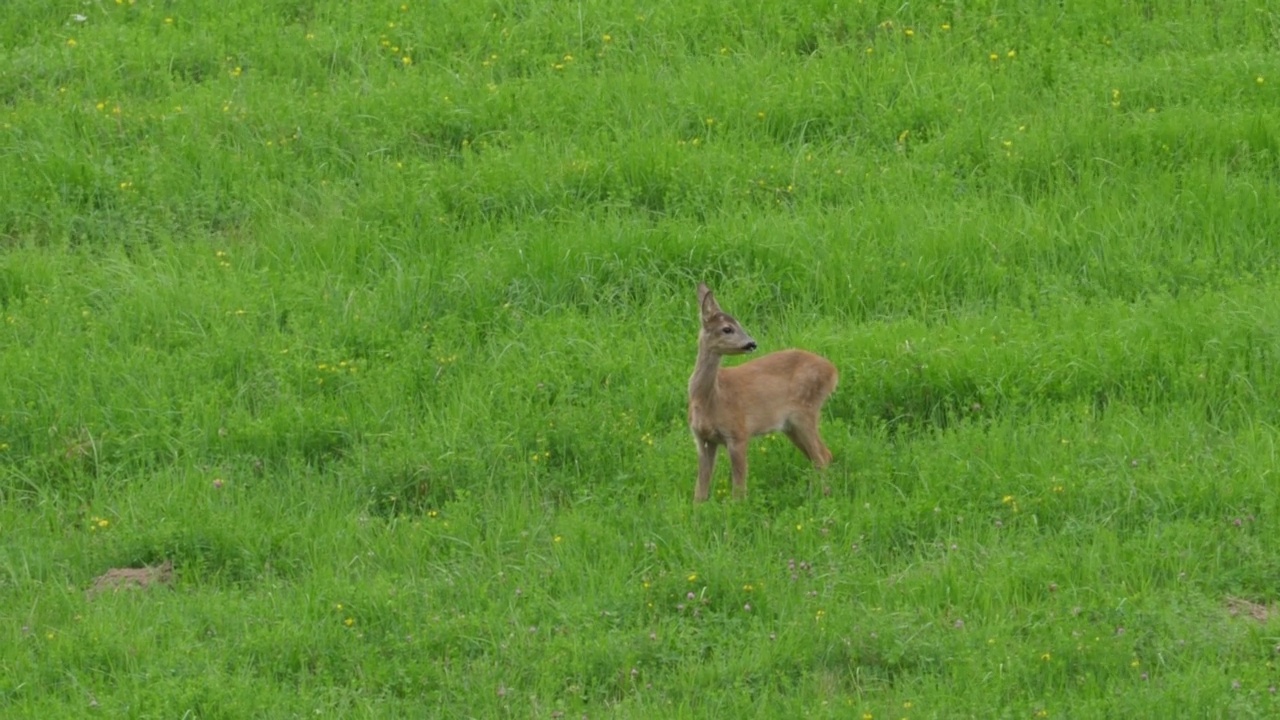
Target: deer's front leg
{"type": "Point", "coordinates": [706, 465]}
{"type": "Point", "coordinates": [738, 459]}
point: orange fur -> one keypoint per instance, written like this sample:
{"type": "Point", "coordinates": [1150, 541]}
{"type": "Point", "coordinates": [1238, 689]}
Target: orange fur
{"type": "Point", "coordinates": [780, 392]}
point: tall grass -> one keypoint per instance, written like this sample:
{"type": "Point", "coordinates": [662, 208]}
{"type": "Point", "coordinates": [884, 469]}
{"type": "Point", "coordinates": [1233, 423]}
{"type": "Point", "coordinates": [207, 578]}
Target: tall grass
{"type": "Point", "coordinates": [376, 320]}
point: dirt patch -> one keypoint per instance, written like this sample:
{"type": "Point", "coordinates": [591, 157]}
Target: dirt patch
{"type": "Point", "coordinates": [117, 579]}
{"type": "Point", "coordinates": [1239, 607]}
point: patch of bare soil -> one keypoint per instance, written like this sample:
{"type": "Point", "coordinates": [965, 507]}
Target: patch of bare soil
{"type": "Point", "coordinates": [117, 579]}
{"type": "Point", "coordinates": [1239, 607]}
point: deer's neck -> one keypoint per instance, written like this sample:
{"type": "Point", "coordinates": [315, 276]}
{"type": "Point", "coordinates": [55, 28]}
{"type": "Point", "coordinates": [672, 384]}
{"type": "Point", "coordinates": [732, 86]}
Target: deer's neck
{"type": "Point", "coordinates": [702, 384]}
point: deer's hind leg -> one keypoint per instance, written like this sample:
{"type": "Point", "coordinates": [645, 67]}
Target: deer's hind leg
{"type": "Point", "coordinates": [706, 466]}
{"type": "Point", "coordinates": [803, 431]}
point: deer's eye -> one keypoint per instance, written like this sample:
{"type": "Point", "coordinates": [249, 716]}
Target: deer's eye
{"type": "Point", "coordinates": [727, 330]}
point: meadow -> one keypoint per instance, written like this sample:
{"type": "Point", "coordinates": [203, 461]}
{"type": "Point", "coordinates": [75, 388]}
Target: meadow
{"type": "Point", "coordinates": [376, 320]}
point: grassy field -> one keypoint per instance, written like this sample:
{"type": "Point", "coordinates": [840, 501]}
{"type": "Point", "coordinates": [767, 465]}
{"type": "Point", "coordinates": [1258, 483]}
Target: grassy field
{"type": "Point", "coordinates": [376, 320]}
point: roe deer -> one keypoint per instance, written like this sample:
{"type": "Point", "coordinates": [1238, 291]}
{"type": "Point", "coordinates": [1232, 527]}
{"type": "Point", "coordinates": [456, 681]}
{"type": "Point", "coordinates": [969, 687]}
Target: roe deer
{"type": "Point", "coordinates": [782, 391]}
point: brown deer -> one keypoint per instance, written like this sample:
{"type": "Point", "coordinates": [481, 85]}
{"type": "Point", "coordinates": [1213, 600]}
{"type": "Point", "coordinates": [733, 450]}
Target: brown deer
{"type": "Point", "coordinates": [782, 391]}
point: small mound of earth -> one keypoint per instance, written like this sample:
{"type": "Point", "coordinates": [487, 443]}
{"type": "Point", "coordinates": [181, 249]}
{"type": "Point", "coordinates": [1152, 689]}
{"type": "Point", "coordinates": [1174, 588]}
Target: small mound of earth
{"type": "Point", "coordinates": [117, 579]}
{"type": "Point", "coordinates": [1238, 606]}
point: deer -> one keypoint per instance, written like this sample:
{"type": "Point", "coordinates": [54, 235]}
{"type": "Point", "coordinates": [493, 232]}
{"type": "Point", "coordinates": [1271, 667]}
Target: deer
{"type": "Point", "coordinates": [779, 392]}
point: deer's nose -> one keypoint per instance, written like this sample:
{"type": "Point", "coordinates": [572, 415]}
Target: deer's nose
{"type": "Point", "coordinates": [749, 346]}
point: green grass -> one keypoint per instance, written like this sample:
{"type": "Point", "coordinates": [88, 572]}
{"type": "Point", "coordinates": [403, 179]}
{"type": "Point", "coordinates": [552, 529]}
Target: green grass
{"type": "Point", "coordinates": [376, 320]}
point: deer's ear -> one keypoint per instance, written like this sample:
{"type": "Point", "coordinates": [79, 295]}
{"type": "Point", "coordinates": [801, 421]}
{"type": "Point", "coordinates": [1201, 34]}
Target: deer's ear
{"type": "Point", "coordinates": [707, 301]}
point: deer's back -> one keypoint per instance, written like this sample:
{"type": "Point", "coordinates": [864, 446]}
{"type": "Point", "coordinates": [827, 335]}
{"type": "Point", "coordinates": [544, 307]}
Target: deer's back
{"type": "Point", "coordinates": [773, 390]}
{"type": "Point", "coordinates": [797, 374]}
